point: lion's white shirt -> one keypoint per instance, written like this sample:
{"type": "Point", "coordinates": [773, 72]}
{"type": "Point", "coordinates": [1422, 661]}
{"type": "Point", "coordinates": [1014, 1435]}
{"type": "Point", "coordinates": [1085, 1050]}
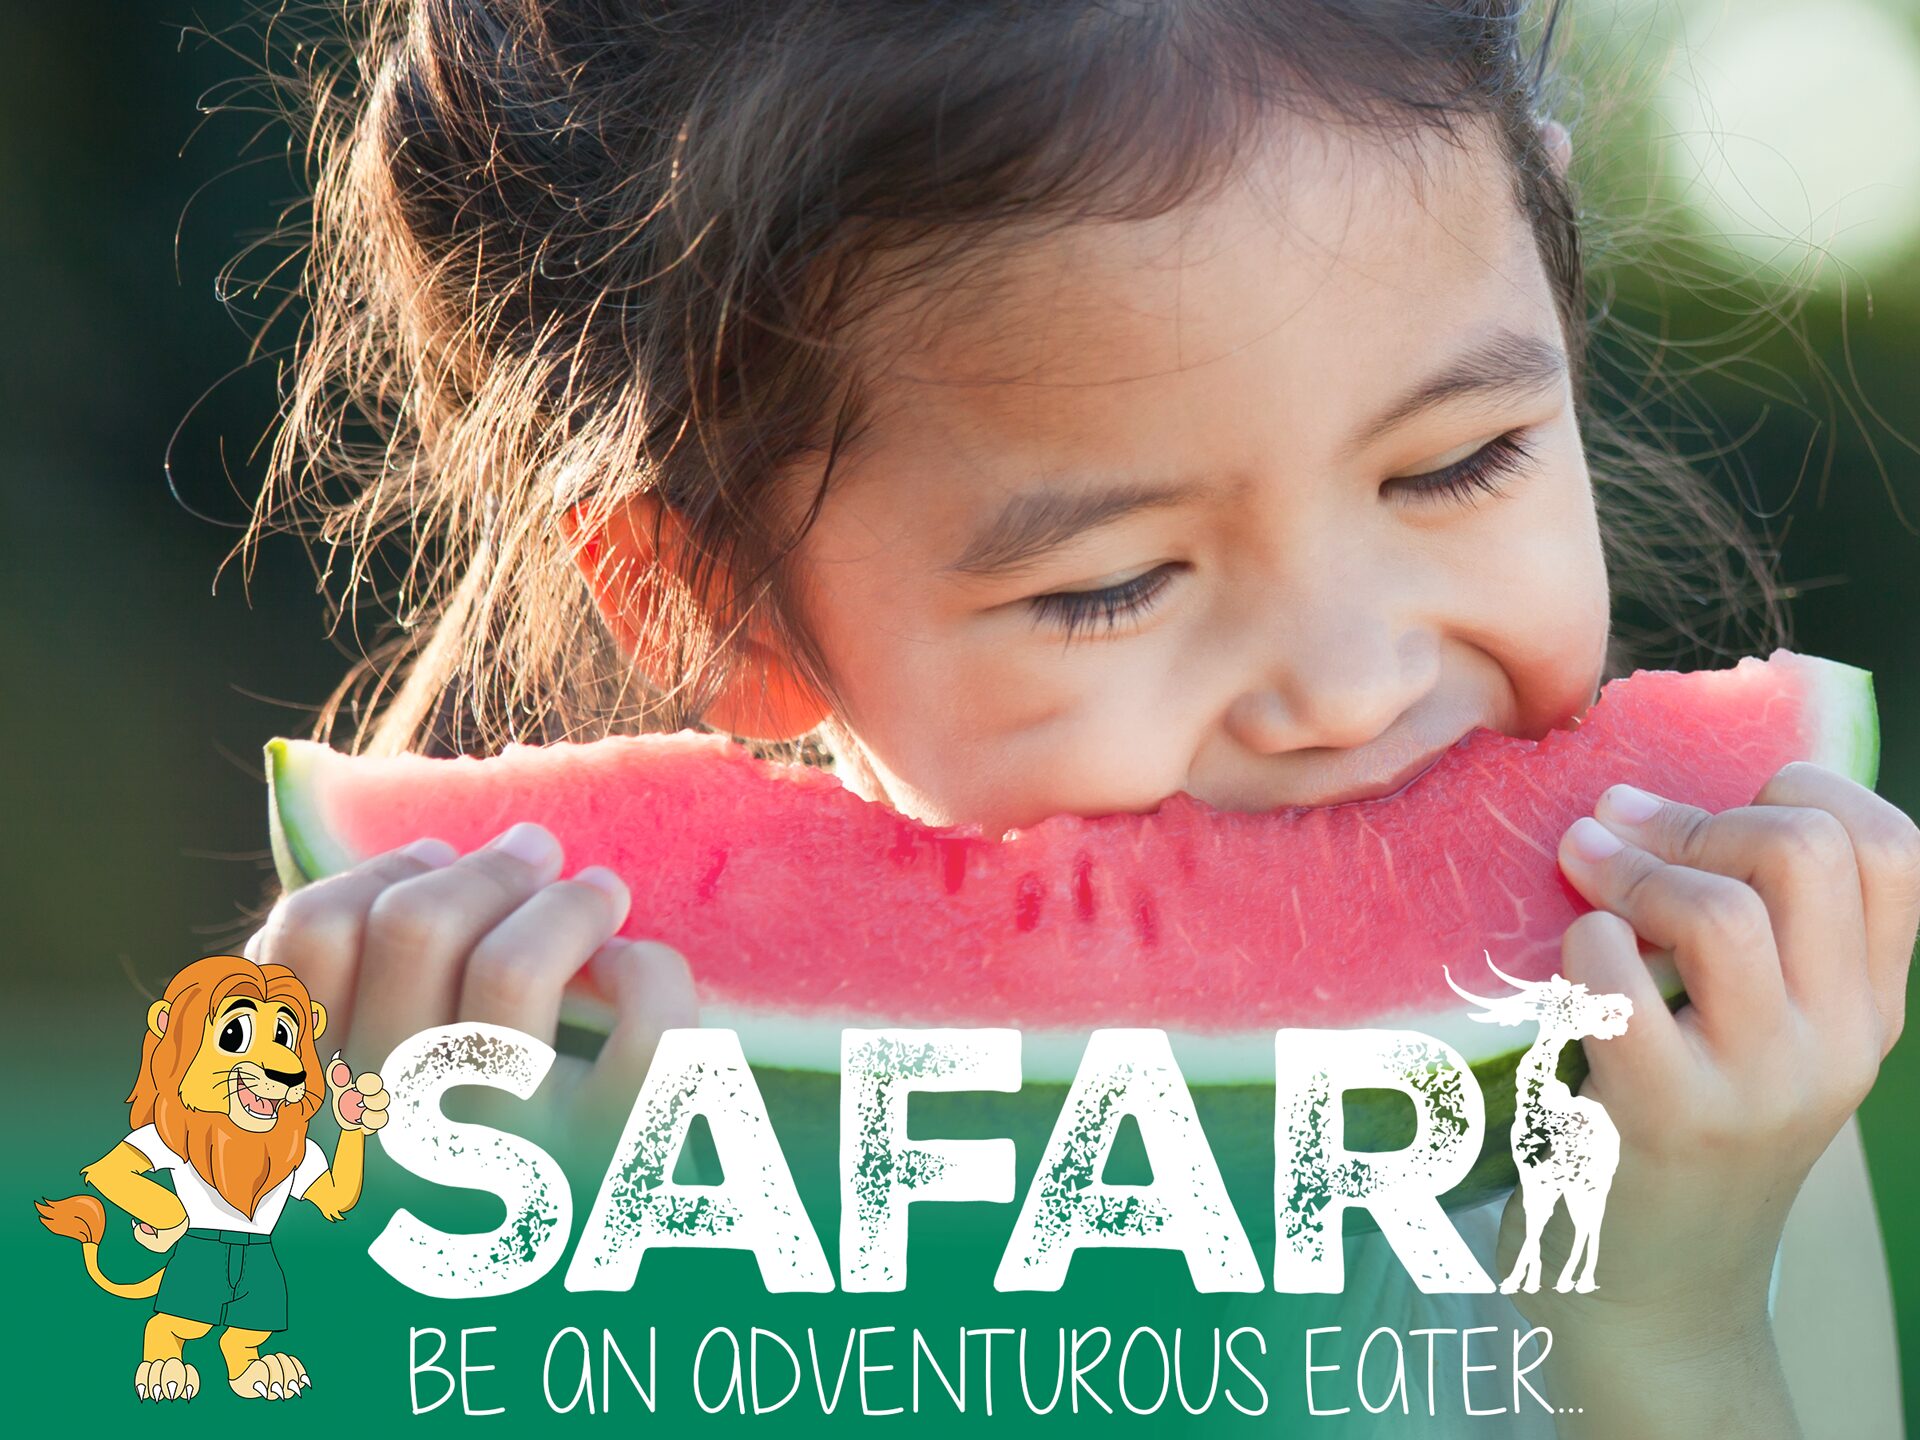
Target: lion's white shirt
{"type": "Point", "coordinates": [206, 1208]}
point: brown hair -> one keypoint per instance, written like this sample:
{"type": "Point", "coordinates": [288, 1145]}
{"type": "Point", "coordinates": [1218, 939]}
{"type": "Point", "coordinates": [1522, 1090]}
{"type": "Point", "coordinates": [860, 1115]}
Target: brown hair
{"type": "Point", "coordinates": [581, 249]}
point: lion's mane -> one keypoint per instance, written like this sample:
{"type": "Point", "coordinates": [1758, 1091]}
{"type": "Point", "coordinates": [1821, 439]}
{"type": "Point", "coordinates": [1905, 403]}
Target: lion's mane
{"type": "Point", "coordinates": [241, 1164]}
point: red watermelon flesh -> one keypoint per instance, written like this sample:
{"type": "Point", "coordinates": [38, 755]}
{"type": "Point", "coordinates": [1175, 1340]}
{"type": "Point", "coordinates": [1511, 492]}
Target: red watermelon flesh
{"type": "Point", "coordinates": [803, 908]}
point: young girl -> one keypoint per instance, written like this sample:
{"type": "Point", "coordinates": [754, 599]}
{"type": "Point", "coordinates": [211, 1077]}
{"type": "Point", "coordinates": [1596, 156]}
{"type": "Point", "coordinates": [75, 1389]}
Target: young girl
{"type": "Point", "coordinates": [1029, 408]}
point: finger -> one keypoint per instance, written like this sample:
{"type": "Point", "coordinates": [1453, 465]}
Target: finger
{"type": "Point", "coordinates": [1651, 1058]}
{"type": "Point", "coordinates": [420, 931]}
{"type": "Point", "coordinates": [1717, 928]}
{"type": "Point", "coordinates": [318, 931]}
{"type": "Point", "coordinates": [375, 1099]}
{"type": "Point", "coordinates": [652, 992]}
{"type": "Point", "coordinates": [1886, 846]}
{"type": "Point", "coordinates": [1799, 860]}
{"type": "Point", "coordinates": [517, 973]}
{"type": "Point", "coordinates": [349, 1108]}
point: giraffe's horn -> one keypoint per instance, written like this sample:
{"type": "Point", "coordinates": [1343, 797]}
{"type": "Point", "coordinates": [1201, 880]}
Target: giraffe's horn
{"type": "Point", "coordinates": [1516, 984]}
{"type": "Point", "coordinates": [1479, 1000]}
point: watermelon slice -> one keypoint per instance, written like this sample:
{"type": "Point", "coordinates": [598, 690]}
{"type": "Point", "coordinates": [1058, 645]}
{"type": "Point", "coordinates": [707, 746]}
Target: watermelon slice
{"type": "Point", "coordinates": [804, 909]}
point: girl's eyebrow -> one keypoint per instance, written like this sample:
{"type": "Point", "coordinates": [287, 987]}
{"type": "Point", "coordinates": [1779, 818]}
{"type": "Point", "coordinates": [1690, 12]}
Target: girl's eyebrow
{"type": "Point", "coordinates": [1506, 362]}
{"type": "Point", "coordinates": [1033, 522]}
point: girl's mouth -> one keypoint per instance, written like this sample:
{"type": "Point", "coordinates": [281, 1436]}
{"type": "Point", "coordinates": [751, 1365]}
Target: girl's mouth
{"type": "Point", "coordinates": [254, 1105]}
{"type": "Point", "coordinates": [1414, 769]}
{"type": "Point", "coordinates": [1392, 782]}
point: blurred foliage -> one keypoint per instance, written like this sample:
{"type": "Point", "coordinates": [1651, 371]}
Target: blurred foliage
{"type": "Point", "coordinates": [140, 692]}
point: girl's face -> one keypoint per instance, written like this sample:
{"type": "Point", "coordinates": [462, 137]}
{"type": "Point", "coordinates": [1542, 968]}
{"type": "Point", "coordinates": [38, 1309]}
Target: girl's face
{"type": "Point", "coordinates": [1269, 501]}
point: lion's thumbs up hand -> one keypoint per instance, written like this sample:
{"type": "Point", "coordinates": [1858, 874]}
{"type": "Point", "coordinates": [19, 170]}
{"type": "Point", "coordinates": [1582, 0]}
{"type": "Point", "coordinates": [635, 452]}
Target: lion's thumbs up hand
{"type": "Point", "coordinates": [358, 1103]}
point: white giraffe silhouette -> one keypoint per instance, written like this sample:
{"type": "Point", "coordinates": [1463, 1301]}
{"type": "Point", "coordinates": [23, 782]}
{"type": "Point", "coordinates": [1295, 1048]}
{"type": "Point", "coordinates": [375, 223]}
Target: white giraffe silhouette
{"type": "Point", "coordinates": [1563, 1144]}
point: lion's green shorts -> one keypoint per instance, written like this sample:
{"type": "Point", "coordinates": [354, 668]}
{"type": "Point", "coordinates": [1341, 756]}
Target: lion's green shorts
{"type": "Point", "coordinates": [224, 1277]}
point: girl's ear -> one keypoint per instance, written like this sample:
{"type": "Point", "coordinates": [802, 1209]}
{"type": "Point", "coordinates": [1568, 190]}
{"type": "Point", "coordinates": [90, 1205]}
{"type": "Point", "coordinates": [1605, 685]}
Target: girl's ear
{"type": "Point", "coordinates": [624, 566]}
{"type": "Point", "coordinates": [1559, 144]}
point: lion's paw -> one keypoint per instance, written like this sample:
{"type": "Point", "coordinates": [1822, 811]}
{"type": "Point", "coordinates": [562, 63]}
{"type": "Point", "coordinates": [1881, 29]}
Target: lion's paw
{"type": "Point", "coordinates": [358, 1103]}
{"type": "Point", "coordinates": [271, 1377]}
{"type": "Point", "coordinates": [166, 1380]}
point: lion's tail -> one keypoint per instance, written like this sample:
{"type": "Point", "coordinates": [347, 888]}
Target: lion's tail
{"type": "Point", "coordinates": [83, 1218]}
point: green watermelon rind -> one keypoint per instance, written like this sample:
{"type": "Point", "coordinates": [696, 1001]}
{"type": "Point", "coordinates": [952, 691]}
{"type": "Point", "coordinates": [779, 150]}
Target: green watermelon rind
{"type": "Point", "coordinates": [1849, 740]}
{"type": "Point", "coordinates": [304, 849]}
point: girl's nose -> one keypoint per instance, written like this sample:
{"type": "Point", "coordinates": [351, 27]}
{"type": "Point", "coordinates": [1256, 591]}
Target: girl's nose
{"type": "Point", "coordinates": [1339, 683]}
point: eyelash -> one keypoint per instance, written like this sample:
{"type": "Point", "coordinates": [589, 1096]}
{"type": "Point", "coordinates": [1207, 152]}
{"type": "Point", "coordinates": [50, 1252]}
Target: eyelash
{"type": "Point", "coordinates": [1482, 472]}
{"type": "Point", "coordinates": [1076, 610]}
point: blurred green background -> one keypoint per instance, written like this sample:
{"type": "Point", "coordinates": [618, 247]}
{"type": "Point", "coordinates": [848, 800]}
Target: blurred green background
{"type": "Point", "coordinates": [139, 691]}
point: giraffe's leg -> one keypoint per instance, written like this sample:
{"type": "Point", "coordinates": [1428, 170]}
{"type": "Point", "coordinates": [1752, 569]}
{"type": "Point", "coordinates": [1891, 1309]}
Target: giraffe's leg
{"type": "Point", "coordinates": [1594, 1202]}
{"type": "Point", "coordinates": [1586, 1282]}
{"type": "Point", "coordinates": [1582, 1238]}
{"type": "Point", "coordinates": [1579, 1196]}
{"type": "Point", "coordinates": [1536, 1200]}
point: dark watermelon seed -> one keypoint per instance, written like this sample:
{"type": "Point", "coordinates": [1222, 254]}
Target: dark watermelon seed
{"type": "Point", "coordinates": [1026, 902]}
{"type": "Point", "coordinates": [1083, 887]}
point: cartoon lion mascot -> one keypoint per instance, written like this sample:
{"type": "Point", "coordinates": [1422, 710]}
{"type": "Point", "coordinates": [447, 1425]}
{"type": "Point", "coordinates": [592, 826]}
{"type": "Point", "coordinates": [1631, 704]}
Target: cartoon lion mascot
{"type": "Point", "coordinates": [229, 1080]}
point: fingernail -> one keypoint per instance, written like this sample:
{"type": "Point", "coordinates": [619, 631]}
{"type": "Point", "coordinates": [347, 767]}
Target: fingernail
{"type": "Point", "coordinates": [601, 878]}
{"type": "Point", "coordinates": [528, 843]}
{"type": "Point", "coordinates": [1592, 840]}
{"type": "Point", "coordinates": [430, 852]}
{"type": "Point", "coordinates": [1628, 805]}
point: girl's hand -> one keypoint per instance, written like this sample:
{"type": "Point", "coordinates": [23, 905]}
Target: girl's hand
{"type": "Point", "coordinates": [422, 936]}
{"type": "Point", "coordinates": [1792, 922]}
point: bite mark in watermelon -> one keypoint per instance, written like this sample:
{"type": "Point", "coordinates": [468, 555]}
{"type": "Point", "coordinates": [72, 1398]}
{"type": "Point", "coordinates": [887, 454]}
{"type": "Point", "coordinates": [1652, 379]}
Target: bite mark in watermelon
{"type": "Point", "coordinates": [804, 909]}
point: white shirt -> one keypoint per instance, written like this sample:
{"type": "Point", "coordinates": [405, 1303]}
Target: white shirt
{"type": "Point", "coordinates": [206, 1208]}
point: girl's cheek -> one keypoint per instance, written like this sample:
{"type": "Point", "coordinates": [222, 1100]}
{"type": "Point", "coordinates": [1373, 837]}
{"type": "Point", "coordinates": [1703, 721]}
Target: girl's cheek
{"type": "Point", "coordinates": [1547, 603]}
{"type": "Point", "coordinates": [1008, 732]}
{"type": "Point", "coordinates": [1104, 739]}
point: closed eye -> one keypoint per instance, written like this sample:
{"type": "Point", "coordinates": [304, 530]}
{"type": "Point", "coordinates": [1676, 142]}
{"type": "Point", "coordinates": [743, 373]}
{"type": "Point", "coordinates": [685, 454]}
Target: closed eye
{"type": "Point", "coordinates": [1484, 472]}
{"type": "Point", "coordinates": [1074, 611]}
